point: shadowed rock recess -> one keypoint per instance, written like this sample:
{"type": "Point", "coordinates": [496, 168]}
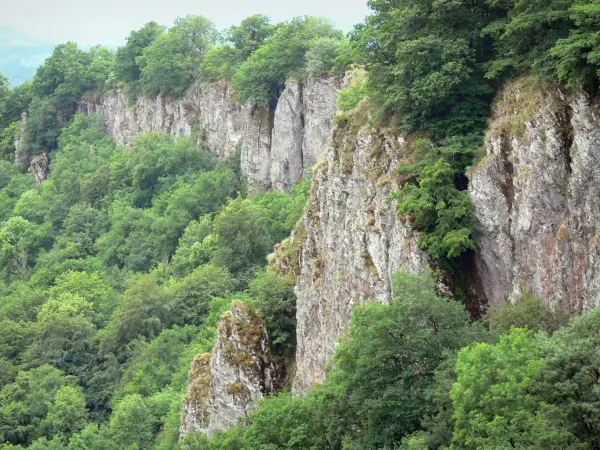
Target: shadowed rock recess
{"type": "Point", "coordinates": [277, 147]}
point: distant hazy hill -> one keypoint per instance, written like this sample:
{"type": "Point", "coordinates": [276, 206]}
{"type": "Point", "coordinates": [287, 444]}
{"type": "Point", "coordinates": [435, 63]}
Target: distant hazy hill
{"type": "Point", "coordinates": [20, 55]}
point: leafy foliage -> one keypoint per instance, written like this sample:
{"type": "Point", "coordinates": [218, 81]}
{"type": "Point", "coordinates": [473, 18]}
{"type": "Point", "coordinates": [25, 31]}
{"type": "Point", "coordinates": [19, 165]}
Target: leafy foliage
{"type": "Point", "coordinates": [127, 69]}
{"type": "Point", "coordinates": [169, 65]}
{"type": "Point", "coordinates": [262, 76]}
{"type": "Point", "coordinates": [105, 297]}
{"type": "Point", "coordinates": [115, 272]}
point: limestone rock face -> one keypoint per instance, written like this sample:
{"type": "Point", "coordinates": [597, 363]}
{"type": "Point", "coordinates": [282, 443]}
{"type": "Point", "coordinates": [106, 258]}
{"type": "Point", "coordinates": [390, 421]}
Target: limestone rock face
{"type": "Point", "coordinates": [320, 104]}
{"type": "Point", "coordinates": [21, 155]}
{"type": "Point", "coordinates": [39, 166]}
{"type": "Point", "coordinates": [227, 385]}
{"type": "Point", "coordinates": [256, 149]}
{"type": "Point", "coordinates": [277, 146]}
{"type": "Point", "coordinates": [221, 123]}
{"type": "Point", "coordinates": [353, 244]}
{"type": "Point", "coordinates": [123, 123]}
{"type": "Point", "coordinates": [286, 151]}
{"type": "Point", "coordinates": [536, 195]}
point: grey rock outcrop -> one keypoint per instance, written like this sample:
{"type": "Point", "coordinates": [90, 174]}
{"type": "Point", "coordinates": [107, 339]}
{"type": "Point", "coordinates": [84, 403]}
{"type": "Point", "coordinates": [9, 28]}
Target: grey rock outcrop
{"type": "Point", "coordinates": [353, 244]}
{"type": "Point", "coordinates": [536, 197]}
{"type": "Point", "coordinates": [227, 385]}
{"type": "Point", "coordinates": [256, 149]}
{"type": "Point", "coordinates": [39, 166]}
{"type": "Point", "coordinates": [123, 123]}
{"type": "Point", "coordinates": [277, 147]}
{"type": "Point", "coordinates": [288, 132]}
{"type": "Point", "coordinates": [21, 155]}
{"type": "Point", "coordinates": [320, 103]}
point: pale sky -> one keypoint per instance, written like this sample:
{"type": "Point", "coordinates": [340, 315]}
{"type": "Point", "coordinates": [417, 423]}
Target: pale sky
{"type": "Point", "coordinates": [108, 22]}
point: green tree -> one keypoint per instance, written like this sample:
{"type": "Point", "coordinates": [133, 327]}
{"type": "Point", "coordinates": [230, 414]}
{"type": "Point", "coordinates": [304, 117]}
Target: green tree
{"type": "Point", "coordinates": [170, 64]}
{"type": "Point", "coordinates": [493, 400]}
{"type": "Point", "coordinates": [68, 74]}
{"type": "Point", "coordinates": [323, 54]}
{"type": "Point", "coordinates": [388, 366]}
{"type": "Point", "coordinates": [529, 312]}
{"type": "Point", "coordinates": [24, 403]}
{"type": "Point", "coordinates": [220, 63]}
{"type": "Point", "coordinates": [424, 60]}
{"type": "Point", "coordinates": [63, 335]}
{"type": "Point", "coordinates": [126, 68]}
{"type": "Point", "coordinates": [80, 231]}
{"type": "Point", "coordinates": [67, 414]}
{"type": "Point", "coordinates": [92, 437]}
{"type": "Point", "coordinates": [154, 364]}
{"type": "Point", "coordinates": [274, 298]}
{"type": "Point", "coordinates": [575, 60]}
{"type": "Point", "coordinates": [191, 295]}
{"type": "Point", "coordinates": [92, 288]}
{"type": "Point", "coordinates": [143, 313]}
{"type": "Point", "coordinates": [194, 233]}
{"type": "Point", "coordinates": [440, 211]}
{"type": "Point", "coordinates": [250, 34]}
{"type": "Point", "coordinates": [243, 238]}
{"type": "Point", "coordinates": [4, 94]}
{"type": "Point", "coordinates": [262, 76]}
{"type": "Point", "coordinates": [20, 241]}
{"type": "Point", "coordinates": [132, 423]}
{"type": "Point", "coordinates": [8, 136]}
{"type": "Point", "coordinates": [16, 103]}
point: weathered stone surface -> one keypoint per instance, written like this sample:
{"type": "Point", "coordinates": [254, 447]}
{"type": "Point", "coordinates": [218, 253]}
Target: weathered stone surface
{"type": "Point", "coordinates": [536, 197]}
{"type": "Point", "coordinates": [21, 155]}
{"type": "Point", "coordinates": [256, 149]}
{"type": "Point", "coordinates": [195, 409]}
{"type": "Point", "coordinates": [124, 122]}
{"type": "Point", "coordinates": [227, 385]}
{"type": "Point", "coordinates": [354, 245]}
{"type": "Point", "coordinates": [39, 166]}
{"type": "Point", "coordinates": [277, 147]}
{"type": "Point", "coordinates": [288, 131]}
{"type": "Point", "coordinates": [320, 103]}
{"type": "Point", "coordinates": [222, 124]}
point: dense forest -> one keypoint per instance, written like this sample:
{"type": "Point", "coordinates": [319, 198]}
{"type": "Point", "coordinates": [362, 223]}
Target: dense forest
{"type": "Point", "coordinates": [115, 271]}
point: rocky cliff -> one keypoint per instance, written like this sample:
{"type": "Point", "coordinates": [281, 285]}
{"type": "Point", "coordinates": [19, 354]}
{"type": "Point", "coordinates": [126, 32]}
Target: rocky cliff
{"type": "Point", "coordinates": [226, 386]}
{"type": "Point", "coordinates": [351, 242]}
{"type": "Point", "coordinates": [277, 147]}
{"type": "Point", "coordinates": [536, 197]}
{"type": "Point", "coordinates": [534, 193]}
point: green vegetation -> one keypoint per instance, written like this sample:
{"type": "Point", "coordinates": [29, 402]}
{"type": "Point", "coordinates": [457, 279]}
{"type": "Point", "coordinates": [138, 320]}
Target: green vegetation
{"type": "Point", "coordinates": [115, 272]}
{"type": "Point", "coordinates": [433, 68]}
{"type": "Point", "coordinates": [418, 374]}
{"type": "Point", "coordinates": [114, 275]}
{"type": "Point", "coordinates": [255, 56]}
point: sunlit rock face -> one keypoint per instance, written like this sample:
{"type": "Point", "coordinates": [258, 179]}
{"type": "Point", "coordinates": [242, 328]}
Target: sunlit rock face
{"type": "Point", "coordinates": [536, 195]}
{"type": "Point", "coordinates": [353, 242]}
{"type": "Point", "coordinates": [226, 386]}
{"type": "Point", "coordinates": [277, 147]}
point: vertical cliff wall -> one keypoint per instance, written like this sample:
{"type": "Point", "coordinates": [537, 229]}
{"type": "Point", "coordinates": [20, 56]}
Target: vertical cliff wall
{"type": "Point", "coordinates": [351, 242]}
{"type": "Point", "coordinates": [536, 197]}
{"type": "Point", "coordinates": [277, 147]}
{"type": "Point", "coordinates": [227, 385]}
